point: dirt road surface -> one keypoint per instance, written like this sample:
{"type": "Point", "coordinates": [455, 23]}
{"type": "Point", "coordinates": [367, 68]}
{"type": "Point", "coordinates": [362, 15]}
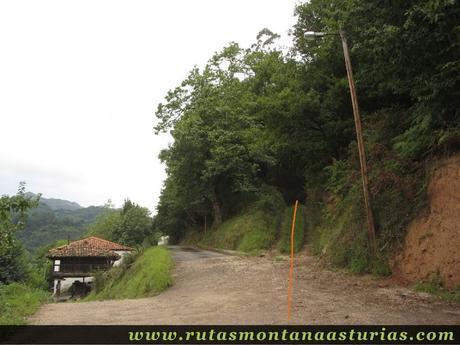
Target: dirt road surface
{"type": "Point", "coordinates": [212, 288]}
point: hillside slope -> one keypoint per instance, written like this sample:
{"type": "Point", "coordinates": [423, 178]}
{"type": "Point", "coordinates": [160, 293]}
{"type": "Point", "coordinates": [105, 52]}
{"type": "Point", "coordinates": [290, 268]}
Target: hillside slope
{"type": "Point", "coordinates": [58, 204]}
{"type": "Point", "coordinates": [46, 225]}
{"type": "Point", "coordinates": [145, 274]}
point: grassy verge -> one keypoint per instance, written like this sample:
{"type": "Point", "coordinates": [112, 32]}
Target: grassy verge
{"type": "Point", "coordinates": [256, 228]}
{"type": "Point", "coordinates": [436, 290]}
{"type": "Point", "coordinates": [248, 233]}
{"type": "Point", "coordinates": [284, 244]}
{"type": "Point", "coordinates": [144, 274]}
{"type": "Point", "coordinates": [17, 301]}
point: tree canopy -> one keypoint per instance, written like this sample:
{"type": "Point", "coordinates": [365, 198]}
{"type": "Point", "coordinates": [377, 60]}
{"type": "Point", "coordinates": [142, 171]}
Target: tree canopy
{"type": "Point", "coordinates": [13, 214]}
{"type": "Point", "coordinates": [130, 225]}
{"type": "Point", "coordinates": [267, 116]}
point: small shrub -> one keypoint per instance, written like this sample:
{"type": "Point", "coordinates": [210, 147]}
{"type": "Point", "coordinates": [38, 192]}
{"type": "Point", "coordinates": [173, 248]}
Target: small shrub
{"type": "Point", "coordinates": [17, 301]}
{"type": "Point", "coordinates": [358, 260]}
{"type": "Point", "coordinates": [434, 287]}
{"type": "Point", "coordinates": [381, 268]}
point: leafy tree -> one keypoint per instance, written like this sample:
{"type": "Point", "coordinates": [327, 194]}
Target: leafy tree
{"type": "Point", "coordinates": [43, 267]}
{"type": "Point", "coordinates": [105, 225]}
{"type": "Point", "coordinates": [13, 214]}
{"type": "Point", "coordinates": [132, 225]}
{"type": "Point", "coordinates": [405, 56]}
{"type": "Point", "coordinates": [267, 117]}
{"type": "Point", "coordinates": [218, 153]}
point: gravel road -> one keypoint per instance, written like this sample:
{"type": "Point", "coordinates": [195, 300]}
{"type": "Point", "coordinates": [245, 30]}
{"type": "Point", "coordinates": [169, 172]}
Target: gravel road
{"type": "Point", "coordinates": [189, 253]}
{"type": "Point", "coordinates": [212, 288]}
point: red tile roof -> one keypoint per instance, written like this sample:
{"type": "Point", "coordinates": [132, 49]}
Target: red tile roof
{"type": "Point", "coordinates": [89, 247]}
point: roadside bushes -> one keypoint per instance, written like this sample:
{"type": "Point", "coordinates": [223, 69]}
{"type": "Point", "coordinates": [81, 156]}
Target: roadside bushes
{"type": "Point", "coordinates": [340, 236]}
{"type": "Point", "coordinates": [434, 287]}
{"type": "Point", "coordinates": [249, 232]}
{"type": "Point", "coordinates": [397, 188]}
{"type": "Point", "coordinates": [265, 224]}
{"type": "Point", "coordinates": [144, 273]}
{"type": "Point", "coordinates": [17, 301]}
{"type": "Point", "coordinates": [254, 230]}
{"type": "Point", "coordinates": [284, 244]}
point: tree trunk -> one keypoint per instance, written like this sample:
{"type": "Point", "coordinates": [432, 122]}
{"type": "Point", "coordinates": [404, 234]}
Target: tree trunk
{"type": "Point", "coordinates": [216, 211]}
{"type": "Point", "coordinates": [189, 215]}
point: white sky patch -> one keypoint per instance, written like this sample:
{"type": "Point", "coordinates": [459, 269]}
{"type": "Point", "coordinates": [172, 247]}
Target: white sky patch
{"type": "Point", "coordinates": [80, 82]}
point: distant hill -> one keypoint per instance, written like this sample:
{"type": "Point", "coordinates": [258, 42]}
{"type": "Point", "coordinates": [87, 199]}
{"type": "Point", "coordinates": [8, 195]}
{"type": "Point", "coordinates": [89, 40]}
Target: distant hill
{"type": "Point", "coordinates": [58, 204]}
{"type": "Point", "coordinates": [56, 219]}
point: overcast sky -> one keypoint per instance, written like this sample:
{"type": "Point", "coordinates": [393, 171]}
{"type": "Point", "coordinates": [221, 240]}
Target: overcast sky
{"type": "Point", "coordinates": [80, 81]}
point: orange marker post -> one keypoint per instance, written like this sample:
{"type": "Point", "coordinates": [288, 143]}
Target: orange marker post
{"type": "Point", "coordinates": [291, 269]}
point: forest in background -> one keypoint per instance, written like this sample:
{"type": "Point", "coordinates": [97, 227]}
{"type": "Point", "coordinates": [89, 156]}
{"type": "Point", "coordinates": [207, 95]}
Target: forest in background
{"type": "Point", "coordinates": [258, 128]}
{"type": "Point", "coordinates": [55, 219]}
{"type": "Point", "coordinates": [29, 227]}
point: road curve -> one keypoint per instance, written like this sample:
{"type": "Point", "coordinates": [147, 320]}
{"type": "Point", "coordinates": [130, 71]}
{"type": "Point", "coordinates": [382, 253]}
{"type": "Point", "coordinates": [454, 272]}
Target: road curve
{"type": "Point", "coordinates": [181, 253]}
{"type": "Point", "coordinates": [212, 288]}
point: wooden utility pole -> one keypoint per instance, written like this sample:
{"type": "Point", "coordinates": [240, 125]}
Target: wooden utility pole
{"type": "Point", "coordinates": [362, 154]}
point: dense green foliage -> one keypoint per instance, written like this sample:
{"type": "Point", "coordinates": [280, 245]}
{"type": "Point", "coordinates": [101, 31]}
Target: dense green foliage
{"type": "Point", "coordinates": [21, 284]}
{"type": "Point", "coordinates": [135, 224]}
{"type": "Point", "coordinates": [263, 118]}
{"type": "Point", "coordinates": [141, 274]}
{"type": "Point", "coordinates": [46, 224]}
{"type": "Point", "coordinates": [14, 265]}
{"type": "Point", "coordinates": [132, 225]}
{"type": "Point", "coordinates": [255, 228]}
{"type": "Point", "coordinates": [17, 264]}
{"type": "Point", "coordinates": [284, 244]}
{"type": "Point", "coordinates": [42, 271]}
{"type": "Point", "coordinates": [17, 301]}
{"type": "Point", "coordinates": [104, 224]}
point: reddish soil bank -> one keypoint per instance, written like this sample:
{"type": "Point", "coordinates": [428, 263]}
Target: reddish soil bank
{"type": "Point", "coordinates": [432, 244]}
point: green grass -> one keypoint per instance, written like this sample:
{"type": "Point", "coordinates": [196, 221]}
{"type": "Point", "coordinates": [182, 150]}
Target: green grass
{"type": "Point", "coordinates": [434, 289]}
{"type": "Point", "coordinates": [17, 301]}
{"type": "Point", "coordinates": [250, 232]}
{"type": "Point", "coordinates": [340, 236]}
{"type": "Point", "coordinates": [145, 274]}
{"type": "Point", "coordinates": [284, 244]}
{"type": "Point", "coordinates": [254, 228]}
